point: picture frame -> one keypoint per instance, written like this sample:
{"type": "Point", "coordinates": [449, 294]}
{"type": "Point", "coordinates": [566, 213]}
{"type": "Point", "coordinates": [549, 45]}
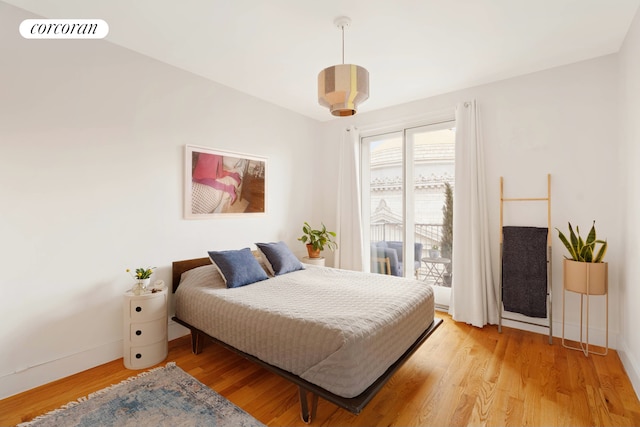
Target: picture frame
{"type": "Point", "coordinates": [220, 183]}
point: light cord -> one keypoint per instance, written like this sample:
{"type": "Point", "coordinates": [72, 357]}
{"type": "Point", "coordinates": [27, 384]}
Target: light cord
{"type": "Point", "coordinates": [342, 44]}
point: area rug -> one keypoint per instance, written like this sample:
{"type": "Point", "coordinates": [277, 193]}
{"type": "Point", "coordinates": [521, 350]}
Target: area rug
{"type": "Point", "coordinates": [165, 396]}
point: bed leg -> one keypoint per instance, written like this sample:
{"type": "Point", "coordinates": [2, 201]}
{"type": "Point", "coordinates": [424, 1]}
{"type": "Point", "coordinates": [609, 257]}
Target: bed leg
{"type": "Point", "coordinates": [196, 342]}
{"type": "Point", "coordinates": [304, 406]}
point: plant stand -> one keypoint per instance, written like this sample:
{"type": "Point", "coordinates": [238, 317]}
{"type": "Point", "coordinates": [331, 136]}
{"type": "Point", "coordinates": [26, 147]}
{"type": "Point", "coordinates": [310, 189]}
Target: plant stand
{"type": "Point", "coordinates": [584, 344]}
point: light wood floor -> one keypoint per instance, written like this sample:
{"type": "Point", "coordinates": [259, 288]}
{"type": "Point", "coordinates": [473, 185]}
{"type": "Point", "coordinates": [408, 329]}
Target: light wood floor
{"type": "Point", "coordinates": [461, 376]}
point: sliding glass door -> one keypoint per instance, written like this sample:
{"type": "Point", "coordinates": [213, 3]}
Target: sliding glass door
{"type": "Point", "coordinates": [408, 180]}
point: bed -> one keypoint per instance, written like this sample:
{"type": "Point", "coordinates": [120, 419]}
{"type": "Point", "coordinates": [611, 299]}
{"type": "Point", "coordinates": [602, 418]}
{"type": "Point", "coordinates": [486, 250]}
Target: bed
{"type": "Point", "coordinates": [334, 333]}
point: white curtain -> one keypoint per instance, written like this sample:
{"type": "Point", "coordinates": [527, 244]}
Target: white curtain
{"type": "Point", "coordinates": [473, 295]}
{"type": "Point", "coordinates": [349, 230]}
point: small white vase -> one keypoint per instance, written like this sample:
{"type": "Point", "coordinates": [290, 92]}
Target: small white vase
{"type": "Point", "coordinates": [141, 286]}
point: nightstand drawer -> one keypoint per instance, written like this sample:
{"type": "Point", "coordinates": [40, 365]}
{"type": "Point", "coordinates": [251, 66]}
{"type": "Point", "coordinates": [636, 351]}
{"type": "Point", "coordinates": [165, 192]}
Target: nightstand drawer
{"type": "Point", "coordinates": [147, 332]}
{"type": "Point", "coordinates": [149, 308]}
{"type": "Point", "coordinates": [146, 355]}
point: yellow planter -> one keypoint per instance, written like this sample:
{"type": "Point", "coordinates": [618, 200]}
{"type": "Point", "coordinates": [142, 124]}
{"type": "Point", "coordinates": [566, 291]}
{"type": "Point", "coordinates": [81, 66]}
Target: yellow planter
{"type": "Point", "coordinates": [578, 275]}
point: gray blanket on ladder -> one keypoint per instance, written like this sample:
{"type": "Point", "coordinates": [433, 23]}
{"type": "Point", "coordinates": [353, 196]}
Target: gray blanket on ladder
{"type": "Point", "coordinates": [524, 270]}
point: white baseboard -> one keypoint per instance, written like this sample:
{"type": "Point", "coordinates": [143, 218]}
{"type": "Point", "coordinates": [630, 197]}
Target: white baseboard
{"type": "Point", "coordinates": [597, 336]}
{"type": "Point", "coordinates": [176, 330]}
{"type": "Point", "coordinates": [633, 371]}
{"type": "Point", "coordinates": [47, 372]}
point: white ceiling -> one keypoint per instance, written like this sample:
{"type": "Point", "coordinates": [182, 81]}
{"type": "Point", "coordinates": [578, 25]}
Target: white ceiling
{"type": "Point", "coordinates": [413, 49]}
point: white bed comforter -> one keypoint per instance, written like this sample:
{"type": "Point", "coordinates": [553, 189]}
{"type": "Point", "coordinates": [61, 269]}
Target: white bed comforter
{"type": "Point", "coordinates": [337, 329]}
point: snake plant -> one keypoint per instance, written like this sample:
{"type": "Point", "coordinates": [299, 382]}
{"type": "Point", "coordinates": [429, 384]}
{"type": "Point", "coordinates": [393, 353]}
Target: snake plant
{"type": "Point", "coordinates": [583, 250]}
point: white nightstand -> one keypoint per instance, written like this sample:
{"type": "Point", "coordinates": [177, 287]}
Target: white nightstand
{"type": "Point", "coordinates": [145, 329]}
{"type": "Point", "coordinates": [313, 261]}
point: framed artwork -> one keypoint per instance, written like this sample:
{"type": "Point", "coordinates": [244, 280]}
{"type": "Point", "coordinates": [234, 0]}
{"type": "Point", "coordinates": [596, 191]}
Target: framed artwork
{"type": "Point", "coordinates": [222, 183]}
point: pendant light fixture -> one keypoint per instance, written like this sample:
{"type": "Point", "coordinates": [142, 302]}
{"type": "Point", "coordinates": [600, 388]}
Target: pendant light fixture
{"type": "Point", "coordinates": [342, 87]}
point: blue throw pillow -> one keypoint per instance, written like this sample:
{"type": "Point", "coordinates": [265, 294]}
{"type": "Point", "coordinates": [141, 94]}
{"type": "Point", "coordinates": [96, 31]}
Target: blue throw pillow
{"type": "Point", "coordinates": [238, 268]}
{"type": "Point", "coordinates": [280, 257]}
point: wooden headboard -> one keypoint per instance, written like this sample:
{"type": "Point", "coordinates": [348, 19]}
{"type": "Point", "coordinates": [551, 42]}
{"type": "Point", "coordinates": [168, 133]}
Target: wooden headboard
{"type": "Point", "coordinates": [179, 267]}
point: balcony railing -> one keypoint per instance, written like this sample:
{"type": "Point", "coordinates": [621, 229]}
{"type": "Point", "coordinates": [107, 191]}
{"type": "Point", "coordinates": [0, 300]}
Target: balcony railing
{"type": "Point", "coordinates": [429, 235]}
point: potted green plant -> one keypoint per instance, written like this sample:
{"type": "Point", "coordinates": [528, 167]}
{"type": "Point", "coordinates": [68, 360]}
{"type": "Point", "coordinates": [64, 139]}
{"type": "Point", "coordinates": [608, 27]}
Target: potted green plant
{"type": "Point", "coordinates": [143, 278]}
{"type": "Point", "coordinates": [584, 271]}
{"type": "Point", "coordinates": [317, 240]}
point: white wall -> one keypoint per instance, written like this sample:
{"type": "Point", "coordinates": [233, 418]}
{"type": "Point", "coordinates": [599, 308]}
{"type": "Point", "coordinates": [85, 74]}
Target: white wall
{"type": "Point", "coordinates": [562, 121]}
{"type": "Point", "coordinates": [629, 348]}
{"type": "Point", "coordinates": [91, 182]}
{"type": "Point", "coordinates": [91, 175]}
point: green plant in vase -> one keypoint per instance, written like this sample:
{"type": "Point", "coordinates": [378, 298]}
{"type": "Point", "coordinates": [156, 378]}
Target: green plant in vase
{"type": "Point", "coordinates": [317, 240]}
{"type": "Point", "coordinates": [585, 271]}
